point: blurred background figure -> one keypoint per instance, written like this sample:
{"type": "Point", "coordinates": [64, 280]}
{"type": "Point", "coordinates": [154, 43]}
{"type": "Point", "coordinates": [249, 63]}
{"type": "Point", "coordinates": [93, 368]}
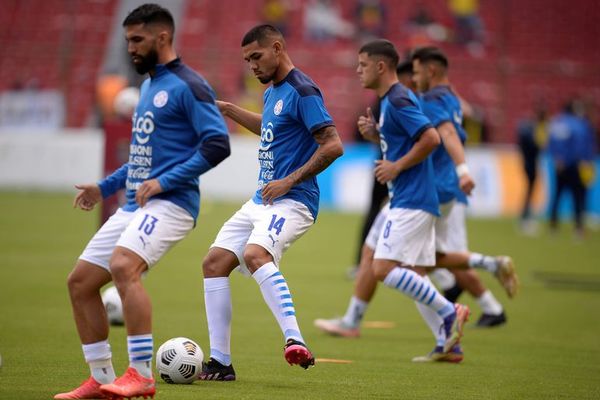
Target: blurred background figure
{"type": "Point", "coordinates": [532, 138]}
{"type": "Point", "coordinates": [370, 19]}
{"type": "Point", "coordinates": [275, 12]}
{"type": "Point", "coordinates": [571, 146]}
{"type": "Point", "coordinates": [323, 22]}
{"type": "Point", "coordinates": [467, 24]}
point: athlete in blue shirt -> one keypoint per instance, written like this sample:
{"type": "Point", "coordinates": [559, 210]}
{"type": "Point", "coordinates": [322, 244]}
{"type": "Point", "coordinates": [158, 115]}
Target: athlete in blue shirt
{"type": "Point", "coordinates": [406, 244]}
{"type": "Point", "coordinates": [453, 182]}
{"type": "Point", "coordinates": [297, 141]}
{"type": "Point", "coordinates": [178, 134]}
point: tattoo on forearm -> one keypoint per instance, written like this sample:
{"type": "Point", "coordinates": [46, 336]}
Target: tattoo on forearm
{"type": "Point", "coordinates": [321, 159]}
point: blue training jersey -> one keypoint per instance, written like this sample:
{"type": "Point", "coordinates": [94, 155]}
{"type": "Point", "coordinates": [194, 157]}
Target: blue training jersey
{"type": "Point", "coordinates": [175, 114]}
{"type": "Point", "coordinates": [401, 122]}
{"type": "Point", "coordinates": [441, 105]}
{"type": "Point", "coordinates": [293, 111]}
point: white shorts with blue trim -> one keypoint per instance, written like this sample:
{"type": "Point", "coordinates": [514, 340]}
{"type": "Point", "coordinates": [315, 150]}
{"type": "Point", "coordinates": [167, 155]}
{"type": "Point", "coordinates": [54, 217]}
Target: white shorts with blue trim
{"type": "Point", "coordinates": [407, 236]}
{"type": "Point", "coordinates": [149, 232]}
{"type": "Point", "coordinates": [274, 227]}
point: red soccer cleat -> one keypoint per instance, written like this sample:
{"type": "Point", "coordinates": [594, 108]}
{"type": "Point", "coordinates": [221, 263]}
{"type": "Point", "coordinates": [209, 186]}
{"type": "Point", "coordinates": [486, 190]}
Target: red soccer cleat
{"type": "Point", "coordinates": [89, 389]}
{"type": "Point", "coordinates": [296, 353]}
{"type": "Point", "coordinates": [131, 384]}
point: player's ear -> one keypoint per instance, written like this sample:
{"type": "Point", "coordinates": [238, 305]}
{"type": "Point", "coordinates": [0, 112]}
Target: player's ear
{"type": "Point", "coordinates": [380, 66]}
{"type": "Point", "coordinates": [277, 47]}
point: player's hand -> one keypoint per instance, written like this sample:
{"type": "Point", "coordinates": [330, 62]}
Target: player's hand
{"type": "Point", "coordinates": [275, 189]}
{"type": "Point", "coordinates": [368, 127]}
{"type": "Point", "coordinates": [146, 190]}
{"type": "Point", "coordinates": [466, 184]}
{"type": "Point", "coordinates": [385, 171]}
{"type": "Point", "coordinates": [88, 196]}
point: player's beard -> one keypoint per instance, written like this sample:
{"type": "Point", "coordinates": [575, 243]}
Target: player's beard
{"type": "Point", "coordinates": [148, 63]}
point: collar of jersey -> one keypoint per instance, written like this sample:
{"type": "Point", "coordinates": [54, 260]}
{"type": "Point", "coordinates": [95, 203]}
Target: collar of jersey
{"type": "Point", "coordinates": [162, 69]}
{"type": "Point", "coordinates": [281, 82]}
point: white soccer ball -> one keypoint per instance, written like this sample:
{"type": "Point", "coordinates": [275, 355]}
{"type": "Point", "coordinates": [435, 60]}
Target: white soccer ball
{"type": "Point", "coordinates": [126, 101]}
{"type": "Point", "coordinates": [179, 360]}
{"type": "Point", "coordinates": [113, 305]}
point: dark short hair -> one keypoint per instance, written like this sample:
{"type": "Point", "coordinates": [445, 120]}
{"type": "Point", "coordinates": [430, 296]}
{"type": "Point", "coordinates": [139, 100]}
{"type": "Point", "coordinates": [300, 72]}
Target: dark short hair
{"type": "Point", "coordinates": [260, 33]}
{"type": "Point", "coordinates": [405, 67]}
{"type": "Point", "coordinates": [383, 48]}
{"type": "Point", "coordinates": [430, 54]}
{"type": "Point", "coordinates": [150, 14]}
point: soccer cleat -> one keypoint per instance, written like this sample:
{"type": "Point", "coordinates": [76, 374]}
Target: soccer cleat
{"type": "Point", "coordinates": [489, 320]}
{"type": "Point", "coordinates": [215, 371]}
{"type": "Point", "coordinates": [455, 355]}
{"type": "Point", "coordinates": [506, 275]}
{"type": "Point", "coordinates": [89, 389]}
{"type": "Point", "coordinates": [337, 327]}
{"type": "Point", "coordinates": [453, 325]}
{"type": "Point", "coordinates": [130, 384]}
{"type": "Point", "coordinates": [296, 352]}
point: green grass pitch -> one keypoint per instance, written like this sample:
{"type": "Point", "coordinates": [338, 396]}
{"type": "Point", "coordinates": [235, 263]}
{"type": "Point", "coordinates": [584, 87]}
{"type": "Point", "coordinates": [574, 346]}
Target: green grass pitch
{"type": "Point", "coordinates": [550, 348]}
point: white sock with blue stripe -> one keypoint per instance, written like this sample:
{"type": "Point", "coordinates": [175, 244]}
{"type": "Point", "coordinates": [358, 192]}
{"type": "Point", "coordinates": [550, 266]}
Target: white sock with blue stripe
{"type": "Point", "coordinates": [419, 289]}
{"type": "Point", "coordinates": [277, 295]}
{"type": "Point", "coordinates": [217, 301]}
{"type": "Point", "coordinates": [433, 320]}
{"type": "Point", "coordinates": [140, 349]}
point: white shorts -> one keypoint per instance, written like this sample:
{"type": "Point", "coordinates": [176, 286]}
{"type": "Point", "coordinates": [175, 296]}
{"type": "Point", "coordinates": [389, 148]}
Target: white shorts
{"type": "Point", "coordinates": [450, 228]}
{"type": "Point", "coordinates": [373, 236]}
{"type": "Point", "coordinates": [273, 227]}
{"type": "Point", "coordinates": [407, 236]}
{"type": "Point", "coordinates": [149, 232]}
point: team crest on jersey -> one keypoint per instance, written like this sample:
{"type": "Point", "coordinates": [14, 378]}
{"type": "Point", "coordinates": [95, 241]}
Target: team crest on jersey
{"type": "Point", "coordinates": [160, 99]}
{"type": "Point", "coordinates": [278, 107]}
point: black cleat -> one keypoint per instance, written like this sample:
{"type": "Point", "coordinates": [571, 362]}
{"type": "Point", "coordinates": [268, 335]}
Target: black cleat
{"type": "Point", "coordinates": [296, 353]}
{"type": "Point", "coordinates": [215, 371]}
{"type": "Point", "coordinates": [489, 320]}
{"type": "Point", "coordinates": [453, 293]}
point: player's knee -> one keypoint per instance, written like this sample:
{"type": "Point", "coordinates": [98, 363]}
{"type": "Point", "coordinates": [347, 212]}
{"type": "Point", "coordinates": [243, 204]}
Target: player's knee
{"type": "Point", "coordinates": [255, 257]}
{"type": "Point", "coordinates": [76, 284]}
{"type": "Point", "coordinates": [380, 271]}
{"type": "Point", "coordinates": [211, 266]}
{"type": "Point", "coordinates": [121, 271]}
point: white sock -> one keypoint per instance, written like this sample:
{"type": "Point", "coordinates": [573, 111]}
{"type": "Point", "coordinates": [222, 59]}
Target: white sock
{"type": "Point", "coordinates": [277, 295]}
{"type": "Point", "coordinates": [354, 313]}
{"type": "Point", "coordinates": [140, 349]}
{"type": "Point", "coordinates": [417, 288]}
{"type": "Point", "coordinates": [443, 278]}
{"type": "Point", "coordinates": [217, 300]}
{"type": "Point", "coordinates": [99, 358]}
{"type": "Point", "coordinates": [489, 304]}
{"type": "Point", "coordinates": [433, 320]}
{"type": "Point", "coordinates": [482, 261]}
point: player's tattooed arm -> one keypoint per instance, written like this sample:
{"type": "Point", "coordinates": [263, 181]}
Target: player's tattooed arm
{"type": "Point", "coordinates": [330, 148]}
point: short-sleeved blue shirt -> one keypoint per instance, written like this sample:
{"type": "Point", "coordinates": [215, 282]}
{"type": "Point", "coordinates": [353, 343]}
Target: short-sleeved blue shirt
{"type": "Point", "coordinates": [441, 105]}
{"type": "Point", "coordinates": [293, 111]}
{"type": "Point", "coordinates": [401, 123]}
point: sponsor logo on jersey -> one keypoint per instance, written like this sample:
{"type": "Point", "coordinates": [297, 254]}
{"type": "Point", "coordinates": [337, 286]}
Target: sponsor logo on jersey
{"type": "Point", "coordinates": [160, 99]}
{"type": "Point", "coordinates": [278, 107]}
{"type": "Point", "coordinates": [143, 127]}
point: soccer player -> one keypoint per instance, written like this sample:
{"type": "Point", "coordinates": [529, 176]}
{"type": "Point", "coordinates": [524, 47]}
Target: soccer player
{"type": "Point", "coordinates": [178, 134]}
{"type": "Point", "coordinates": [405, 247]}
{"type": "Point", "coordinates": [297, 141]}
{"type": "Point", "coordinates": [443, 109]}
